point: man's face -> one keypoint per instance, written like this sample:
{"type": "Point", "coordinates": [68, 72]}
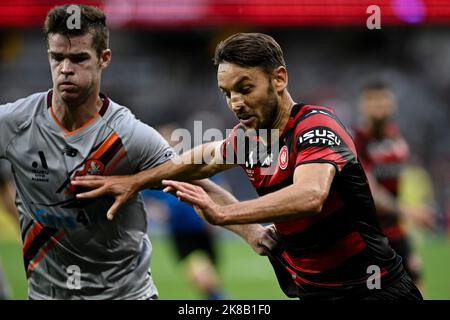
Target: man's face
{"type": "Point", "coordinates": [75, 66]}
{"type": "Point", "coordinates": [377, 105]}
{"type": "Point", "coordinates": [250, 95]}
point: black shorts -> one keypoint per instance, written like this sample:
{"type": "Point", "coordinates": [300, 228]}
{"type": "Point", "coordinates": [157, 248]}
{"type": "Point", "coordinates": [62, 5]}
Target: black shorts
{"type": "Point", "coordinates": [403, 248]}
{"type": "Point", "coordinates": [189, 242]}
{"type": "Point", "coordinates": [402, 289]}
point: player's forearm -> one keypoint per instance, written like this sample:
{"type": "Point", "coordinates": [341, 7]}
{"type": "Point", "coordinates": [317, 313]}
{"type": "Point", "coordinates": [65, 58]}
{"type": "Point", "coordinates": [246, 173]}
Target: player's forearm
{"type": "Point", "coordinates": [222, 197]}
{"type": "Point", "coordinates": [191, 165]}
{"type": "Point", "coordinates": [218, 194]}
{"type": "Point", "coordinates": [288, 203]}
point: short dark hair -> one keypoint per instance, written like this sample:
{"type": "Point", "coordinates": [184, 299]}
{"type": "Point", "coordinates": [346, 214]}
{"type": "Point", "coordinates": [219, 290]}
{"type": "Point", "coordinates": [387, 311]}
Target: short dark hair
{"type": "Point", "coordinates": [92, 20]}
{"type": "Point", "coordinates": [250, 50]}
{"type": "Point", "coordinates": [376, 85]}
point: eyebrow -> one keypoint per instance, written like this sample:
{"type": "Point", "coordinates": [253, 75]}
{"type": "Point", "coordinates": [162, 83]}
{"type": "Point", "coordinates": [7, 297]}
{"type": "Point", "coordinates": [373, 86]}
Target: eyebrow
{"type": "Point", "coordinates": [70, 55]}
{"type": "Point", "coordinates": [239, 81]}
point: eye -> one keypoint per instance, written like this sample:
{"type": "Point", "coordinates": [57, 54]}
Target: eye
{"type": "Point", "coordinates": [78, 59]}
{"type": "Point", "coordinates": [57, 58]}
{"type": "Point", "coordinates": [246, 89]}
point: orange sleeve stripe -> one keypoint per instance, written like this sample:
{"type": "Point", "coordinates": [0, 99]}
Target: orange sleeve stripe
{"type": "Point", "coordinates": [52, 242]}
{"type": "Point", "coordinates": [105, 146]}
{"type": "Point", "coordinates": [32, 234]}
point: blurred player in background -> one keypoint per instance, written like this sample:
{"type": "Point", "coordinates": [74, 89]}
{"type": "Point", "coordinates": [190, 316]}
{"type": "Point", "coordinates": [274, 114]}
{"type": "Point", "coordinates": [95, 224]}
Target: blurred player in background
{"type": "Point", "coordinates": [384, 154]}
{"type": "Point", "coordinates": [193, 239]}
{"type": "Point", "coordinates": [7, 192]}
{"type": "Point", "coordinates": [317, 196]}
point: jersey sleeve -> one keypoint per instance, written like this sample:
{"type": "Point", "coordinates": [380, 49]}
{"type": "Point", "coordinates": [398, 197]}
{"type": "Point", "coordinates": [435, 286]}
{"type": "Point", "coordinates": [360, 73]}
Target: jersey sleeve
{"type": "Point", "coordinates": [148, 147]}
{"type": "Point", "coordinates": [321, 138]}
{"type": "Point", "coordinates": [8, 125]}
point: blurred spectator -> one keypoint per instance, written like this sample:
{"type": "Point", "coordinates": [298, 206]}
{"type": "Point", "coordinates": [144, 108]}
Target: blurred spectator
{"type": "Point", "coordinates": [384, 153]}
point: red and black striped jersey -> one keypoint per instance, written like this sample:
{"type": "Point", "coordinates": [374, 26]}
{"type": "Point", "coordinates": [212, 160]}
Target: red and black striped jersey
{"type": "Point", "coordinates": [328, 254]}
{"type": "Point", "coordinates": [385, 158]}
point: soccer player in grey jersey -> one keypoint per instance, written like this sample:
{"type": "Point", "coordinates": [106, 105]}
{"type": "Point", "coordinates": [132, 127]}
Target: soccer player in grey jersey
{"type": "Point", "coordinates": [71, 250]}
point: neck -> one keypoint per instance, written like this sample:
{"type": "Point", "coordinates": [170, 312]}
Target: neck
{"type": "Point", "coordinates": [284, 112]}
{"type": "Point", "coordinates": [76, 115]}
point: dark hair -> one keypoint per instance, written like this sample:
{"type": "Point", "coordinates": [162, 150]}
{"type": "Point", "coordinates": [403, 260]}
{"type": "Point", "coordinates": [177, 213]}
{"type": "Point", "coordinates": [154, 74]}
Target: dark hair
{"type": "Point", "coordinates": [92, 20]}
{"type": "Point", "coordinates": [250, 50]}
{"type": "Point", "coordinates": [377, 85]}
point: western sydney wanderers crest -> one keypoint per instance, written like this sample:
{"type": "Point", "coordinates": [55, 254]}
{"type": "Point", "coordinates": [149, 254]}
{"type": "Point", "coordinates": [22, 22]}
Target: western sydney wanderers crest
{"type": "Point", "coordinates": [283, 158]}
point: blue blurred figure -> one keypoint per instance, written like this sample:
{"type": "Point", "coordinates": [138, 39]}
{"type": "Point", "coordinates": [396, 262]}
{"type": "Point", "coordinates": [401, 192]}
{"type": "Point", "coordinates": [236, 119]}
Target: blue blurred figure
{"type": "Point", "coordinates": [193, 239]}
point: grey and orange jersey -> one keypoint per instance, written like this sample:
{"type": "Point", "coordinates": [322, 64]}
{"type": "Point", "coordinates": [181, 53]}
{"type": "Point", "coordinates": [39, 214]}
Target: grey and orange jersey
{"type": "Point", "coordinates": [71, 251]}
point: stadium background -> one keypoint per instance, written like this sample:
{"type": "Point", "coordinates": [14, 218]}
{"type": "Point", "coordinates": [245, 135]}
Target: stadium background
{"type": "Point", "coordinates": [162, 70]}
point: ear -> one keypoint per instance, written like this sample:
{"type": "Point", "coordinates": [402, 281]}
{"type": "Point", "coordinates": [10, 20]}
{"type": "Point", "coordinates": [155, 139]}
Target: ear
{"type": "Point", "coordinates": [105, 58]}
{"type": "Point", "coordinates": [280, 78]}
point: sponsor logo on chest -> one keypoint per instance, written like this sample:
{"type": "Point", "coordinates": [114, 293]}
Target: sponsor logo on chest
{"type": "Point", "coordinates": [320, 136]}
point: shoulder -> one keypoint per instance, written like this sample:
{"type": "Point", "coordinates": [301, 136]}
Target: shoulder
{"type": "Point", "coordinates": [309, 110]}
{"type": "Point", "coordinates": [120, 119]}
{"type": "Point", "coordinates": [314, 116]}
{"type": "Point", "coordinates": [133, 132]}
{"type": "Point", "coordinates": [118, 116]}
{"type": "Point", "coordinates": [26, 105]}
{"type": "Point", "coordinates": [23, 110]}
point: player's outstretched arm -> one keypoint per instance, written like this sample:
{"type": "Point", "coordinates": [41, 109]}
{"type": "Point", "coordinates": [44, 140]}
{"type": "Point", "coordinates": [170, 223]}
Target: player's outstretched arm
{"type": "Point", "coordinates": [198, 163]}
{"type": "Point", "coordinates": [304, 197]}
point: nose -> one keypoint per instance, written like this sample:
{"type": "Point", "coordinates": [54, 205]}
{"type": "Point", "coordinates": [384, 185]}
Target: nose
{"type": "Point", "coordinates": [66, 67]}
{"type": "Point", "coordinates": [236, 101]}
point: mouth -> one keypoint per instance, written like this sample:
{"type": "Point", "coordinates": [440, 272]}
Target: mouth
{"type": "Point", "coordinates": [67, 85]}
{"type": "Point", "coordinates": [246, 119]}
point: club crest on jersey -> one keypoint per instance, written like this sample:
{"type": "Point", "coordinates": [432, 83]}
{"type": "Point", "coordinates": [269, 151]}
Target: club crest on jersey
{"type": "Point", "coordinates": [283, 158]}
{"type": "Point", "coordinates": [94, 167]}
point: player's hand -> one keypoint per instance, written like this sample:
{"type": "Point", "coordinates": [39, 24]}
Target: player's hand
{"type": "Point", "coordinates": [263, 239]}
{"type": "Point", "coordinates": [121, 187]}
{"type": "Point", "coordinates": [198, 198]}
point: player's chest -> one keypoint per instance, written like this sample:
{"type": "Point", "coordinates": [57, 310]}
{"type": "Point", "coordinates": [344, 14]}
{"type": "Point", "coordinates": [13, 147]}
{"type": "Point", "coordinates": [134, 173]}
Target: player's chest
{"type": "Point", "coordinates": [271, 167]}
{"type": "Point", "coordinates": [49, 161]}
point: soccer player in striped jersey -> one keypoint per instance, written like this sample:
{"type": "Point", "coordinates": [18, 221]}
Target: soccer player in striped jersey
{"type": "Point", "coordinates": [330, 245]}
{"type": "Point", "coordinates": [384, 153]}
